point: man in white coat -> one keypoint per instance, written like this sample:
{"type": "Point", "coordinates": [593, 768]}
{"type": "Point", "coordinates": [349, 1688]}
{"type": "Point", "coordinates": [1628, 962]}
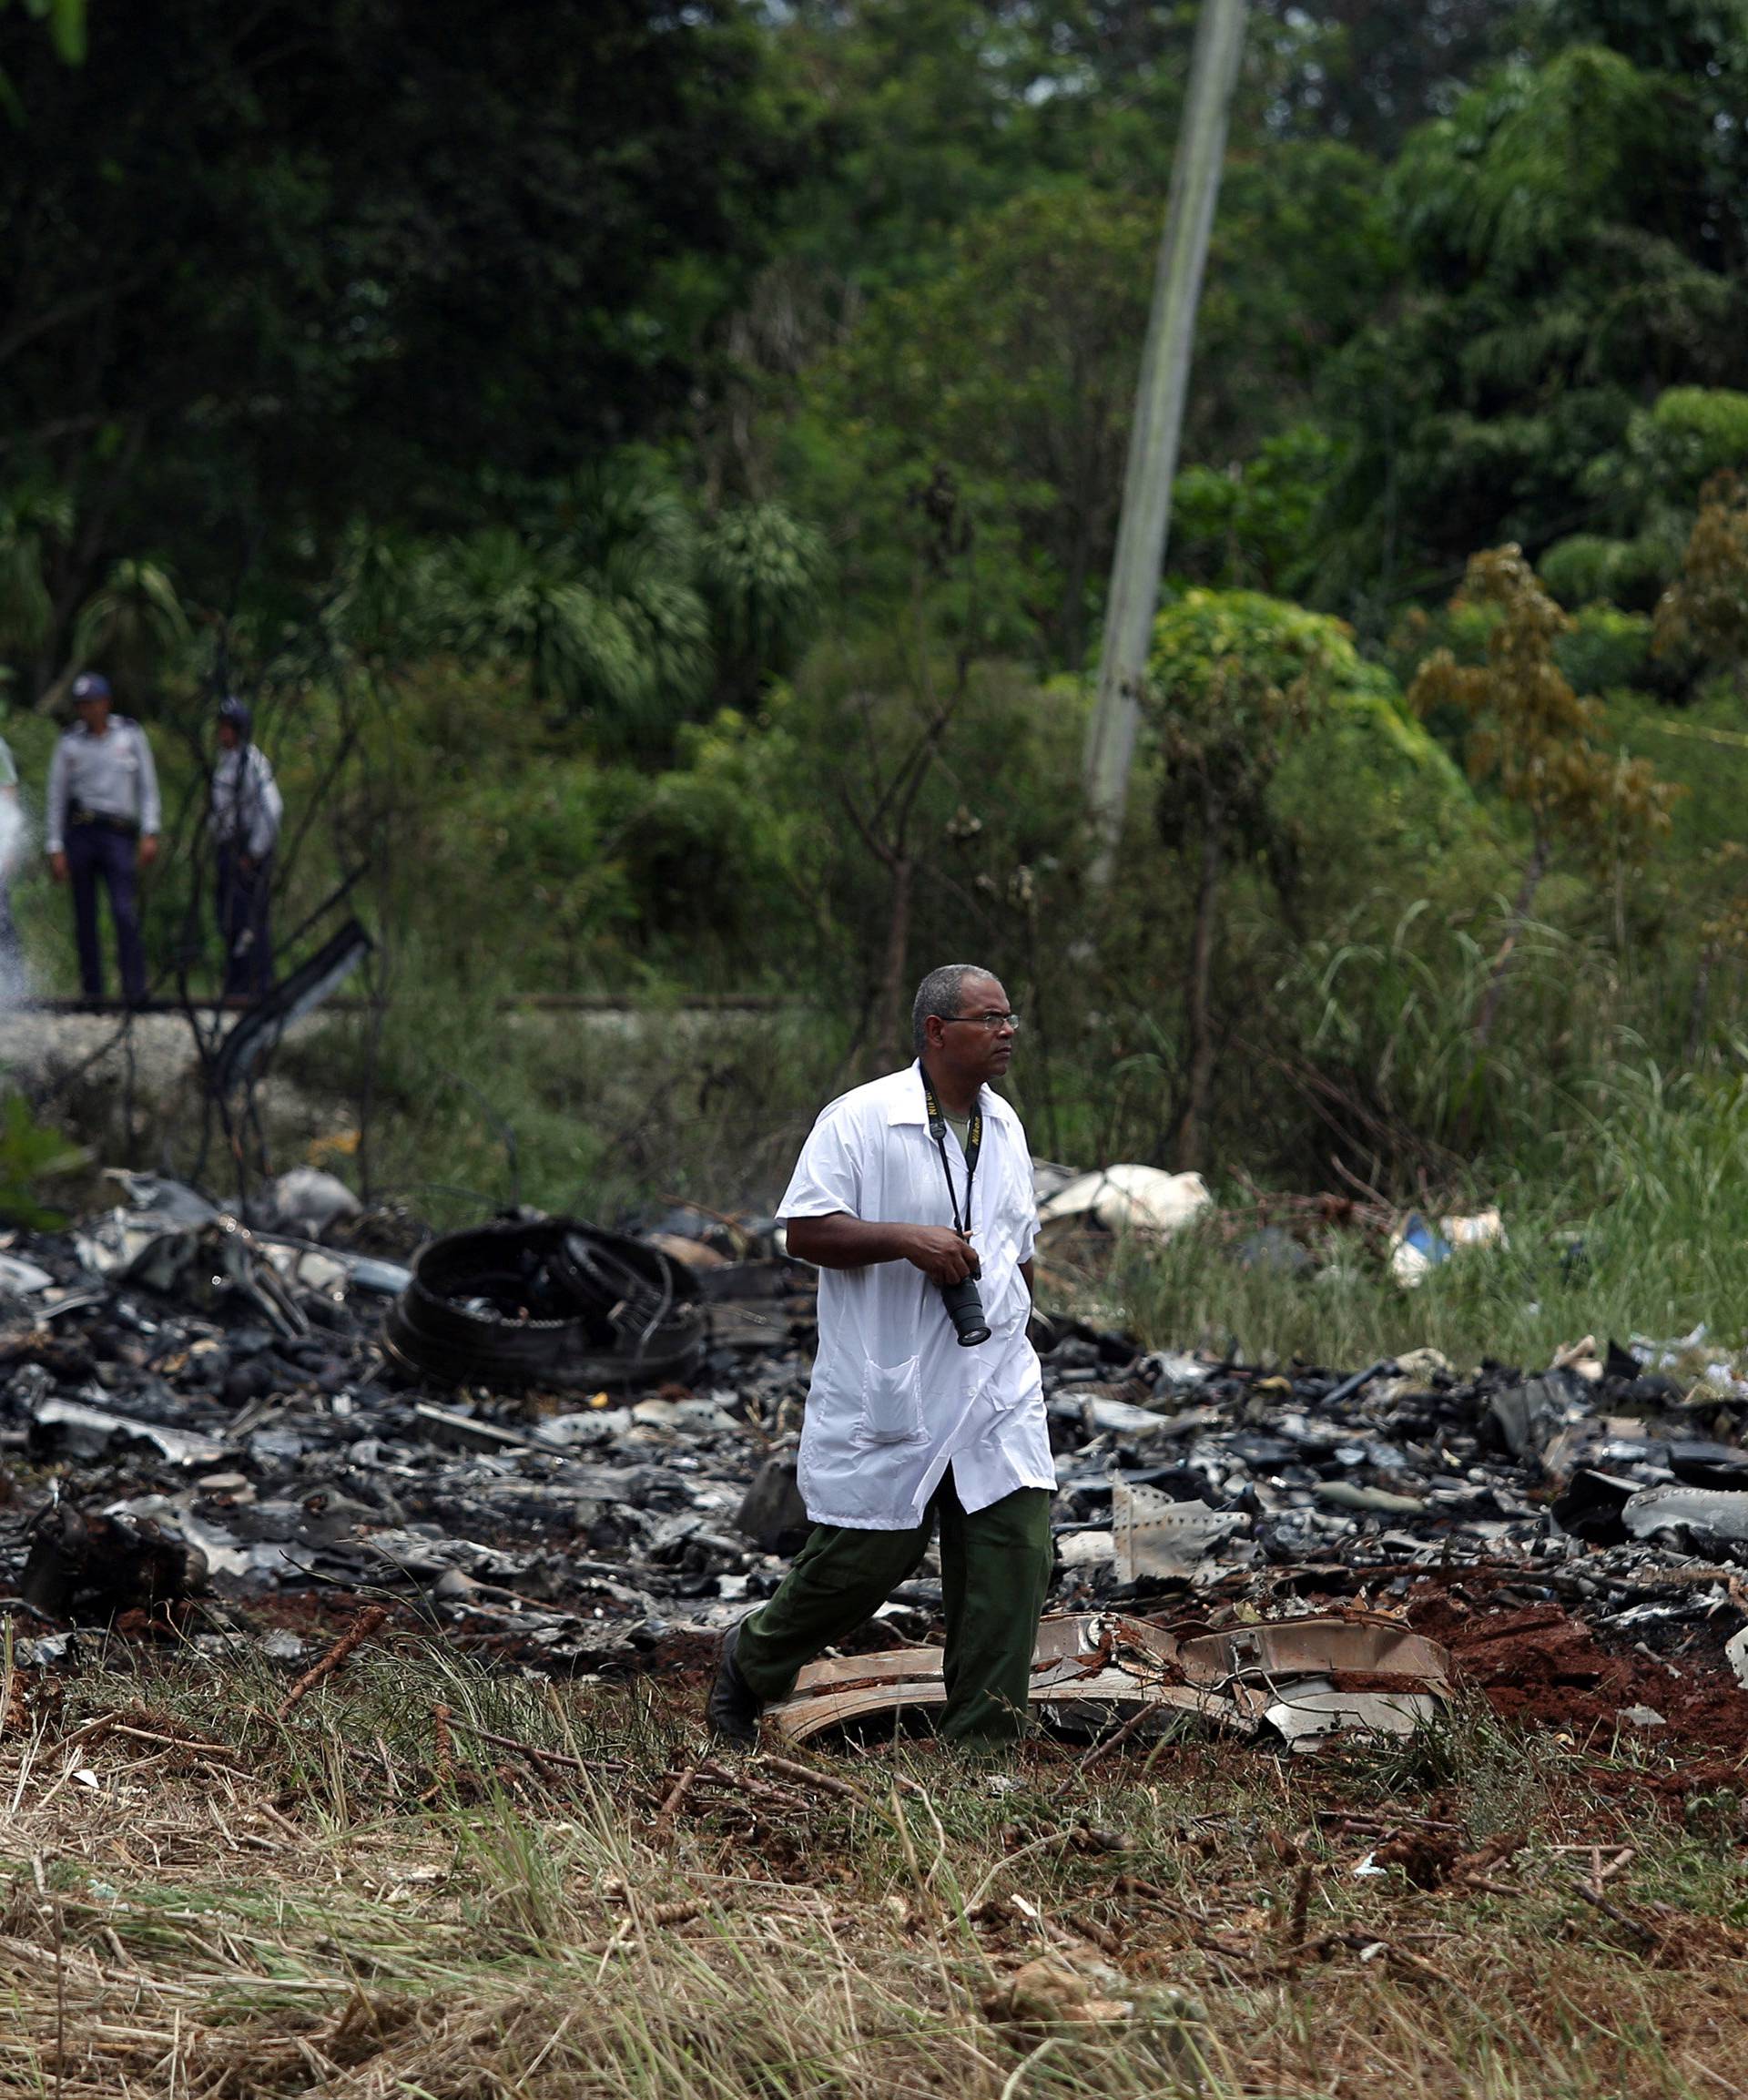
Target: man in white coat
{"type": "Point", "coordinates": [905, 1187]}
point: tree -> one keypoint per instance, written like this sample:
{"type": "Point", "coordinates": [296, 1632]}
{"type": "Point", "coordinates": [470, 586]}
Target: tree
{"type": "Point", "coordinates": [67, 26]}
{"type": "Point", "coordinates": [33, 522]}
{"type": "Point", "coordinates": [1704, 611]}
{"type": "Point", "coordinates": [130, 624]}
{"type": "Point", "coordinates": [66, 31]}
{"type": "Point", "coordinates": [266, 270]}
{"type": "Point", "coordinates": [1012, 374]}
{"type": "Point", "coordinates": [625, 616]}
{"type": "Point", "coordinates": [1369, 70]}
{"type": "Point", "coordinates": [1233, 678]}
{"type": "Point", "coordinates": [1252, 525]}
{"type": "Point", "coordinates": [1013, 370]}
{"type": "Point", "coordinates": [605, 618]}
{"type": "Point", "coordinates": [1539, 743]}
{"type": "Point", "coordinates": [761, 569]}
{"type": "Point", "coordinates": [1575, 242]}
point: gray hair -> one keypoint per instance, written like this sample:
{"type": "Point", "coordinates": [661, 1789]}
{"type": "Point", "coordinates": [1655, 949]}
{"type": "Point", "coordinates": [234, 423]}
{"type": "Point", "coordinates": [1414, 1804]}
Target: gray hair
{"type": "Point", "coordinates": [941, 994]}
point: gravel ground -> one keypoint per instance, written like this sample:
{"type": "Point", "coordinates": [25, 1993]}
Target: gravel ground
{"type": "Point", "coordinates": [38, 1048]}
{"type": "Point", "coordinates": [128, 1089]}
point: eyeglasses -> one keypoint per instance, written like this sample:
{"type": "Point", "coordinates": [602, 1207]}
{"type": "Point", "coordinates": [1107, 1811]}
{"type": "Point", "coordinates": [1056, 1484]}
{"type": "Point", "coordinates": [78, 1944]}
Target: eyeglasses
{"type": "Point", "coordinates": [991, 1022]}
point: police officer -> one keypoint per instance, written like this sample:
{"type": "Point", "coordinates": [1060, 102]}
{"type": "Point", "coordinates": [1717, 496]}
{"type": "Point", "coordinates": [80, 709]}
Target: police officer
{"type": "Point", "coordinates": [246, 811]}
{"type": "Point", "coordinates": [103, 825]}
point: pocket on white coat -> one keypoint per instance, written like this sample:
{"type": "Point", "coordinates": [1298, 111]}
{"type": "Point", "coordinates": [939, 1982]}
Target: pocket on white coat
{"type": "Point", "coordinates": [891, 1402]}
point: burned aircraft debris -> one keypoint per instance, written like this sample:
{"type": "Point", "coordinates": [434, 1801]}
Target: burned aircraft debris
{"type": "Point", "coordinates": [552, 1302]}
{"type": "Point", "coordinates": [109, 1563]}
{"type": "Point", "coordinates": [577, 1450]}
{"type": "Point", "coordinates": [1284, 1681]}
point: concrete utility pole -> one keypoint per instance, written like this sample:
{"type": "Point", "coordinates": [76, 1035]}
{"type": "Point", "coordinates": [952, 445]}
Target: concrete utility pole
{"type": "Point", "coordinates": [1159, 422]}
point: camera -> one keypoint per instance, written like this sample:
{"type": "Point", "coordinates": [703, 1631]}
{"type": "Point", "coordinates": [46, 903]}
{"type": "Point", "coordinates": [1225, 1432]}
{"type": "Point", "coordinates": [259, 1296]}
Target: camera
{"type": "Point", "coordinates": [965, 1309]}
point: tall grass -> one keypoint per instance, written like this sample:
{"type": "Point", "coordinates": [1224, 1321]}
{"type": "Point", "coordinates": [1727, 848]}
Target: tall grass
{"type": "Point", "coordinates": [1642, 1229]}
{"type": "Point", "coordinates": [1397, 1015]}
{"type": "Point", "coordinates": [468, 1108]}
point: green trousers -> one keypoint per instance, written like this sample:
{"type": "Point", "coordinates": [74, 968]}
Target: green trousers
{"type": "Point", "coordinates": [995, 1565]}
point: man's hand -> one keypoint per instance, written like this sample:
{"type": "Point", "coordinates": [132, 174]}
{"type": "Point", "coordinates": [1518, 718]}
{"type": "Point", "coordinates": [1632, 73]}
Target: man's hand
{"type": "Point", "coordinates": [841, 1241]}
{"type": "Point", "coordinates": [147, 848]}
{"type": "Point", "coordinates": [943, 1256]}
{"type": "Point", "coordinates": [57, 866]}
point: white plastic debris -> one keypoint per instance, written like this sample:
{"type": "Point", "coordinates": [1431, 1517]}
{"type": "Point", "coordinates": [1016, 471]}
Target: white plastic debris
{"type": "Point", "coordinates": [1131, 1199]}
{"type": "Point", "coordinates": [307, 1200]}
{"type": "Point", "coordinates": [173, 1201]}
{"type": "Point", "coordinates": [585, 1426]}
{"type": "Point", "coordinates": [1122, 1417]}
{"type": "Point", "coordinates": [1582, 1359]}
{"type": "Point", "coordinates": [1049, 1178]}
{"type": "Point", "coordinates": [45, 1649]}
{"type": "Point", "coordinates": [224, 1556]}
{"type": "Point", "coordinates": [309, 1268]}
{"type": "Point", "coordinates": [1354, 1494]}
{"type": "Point", "coordinates": [1694, 1360]}
{"type": "Point", "coordinates": [1419, 1245]}
{"type": "Point", "coordinates": [1421, 1364]}
{"type": "Point", "coordinates": [23, 1278]}
{"type": "Point", "coordinates": [1086, 1548]}
{"type": "Point", "coordinates": [704, 1411]}
{"type": "Point", "coordinates": [1735, 1653]}
{"type": "Point", "coordinates": [1170, 1367]}
{"type": "Point", "coordinates": [111, 1245]}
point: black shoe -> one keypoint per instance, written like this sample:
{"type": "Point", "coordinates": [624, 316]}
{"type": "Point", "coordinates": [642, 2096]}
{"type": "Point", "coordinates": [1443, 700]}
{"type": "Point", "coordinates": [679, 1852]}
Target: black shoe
{"type": "Point", "coordinates": [733, 1708]}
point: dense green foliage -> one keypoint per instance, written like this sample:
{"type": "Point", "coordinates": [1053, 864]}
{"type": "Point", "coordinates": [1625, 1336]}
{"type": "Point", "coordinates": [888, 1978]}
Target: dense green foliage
{"type": "Point", "coordinates": [657, 471]}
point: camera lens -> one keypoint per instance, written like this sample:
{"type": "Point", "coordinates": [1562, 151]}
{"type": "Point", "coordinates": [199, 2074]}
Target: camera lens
{"type": "Point", "coordinates": [965, 1309]}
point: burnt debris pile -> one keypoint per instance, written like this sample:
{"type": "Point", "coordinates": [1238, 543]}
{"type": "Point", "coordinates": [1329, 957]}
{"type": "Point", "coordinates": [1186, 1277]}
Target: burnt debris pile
{"type": "Point", "coordinates": [575, 1448]}
{"type": "Point", "coordinates": [547, 1303]}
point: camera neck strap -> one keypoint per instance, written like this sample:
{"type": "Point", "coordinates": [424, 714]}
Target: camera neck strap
{"type": "Point", "coordinates": [973, 1146]}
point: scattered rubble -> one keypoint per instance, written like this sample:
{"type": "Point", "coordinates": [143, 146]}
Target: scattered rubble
{"type": "Point", "coordinates": [574, 1449]}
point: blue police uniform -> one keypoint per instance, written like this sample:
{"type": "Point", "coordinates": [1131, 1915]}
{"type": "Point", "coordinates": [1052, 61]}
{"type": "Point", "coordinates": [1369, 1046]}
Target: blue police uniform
{"type": "Point", "coordinates": [102, 798]}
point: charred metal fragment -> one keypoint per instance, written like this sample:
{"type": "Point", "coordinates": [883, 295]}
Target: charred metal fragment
{"type": "Point", "coordinates": [257, 1030]}
{"type": "Point", "coordinates": [553, 1303]}
{"type": "Point", "coordinates": [85, 1564]}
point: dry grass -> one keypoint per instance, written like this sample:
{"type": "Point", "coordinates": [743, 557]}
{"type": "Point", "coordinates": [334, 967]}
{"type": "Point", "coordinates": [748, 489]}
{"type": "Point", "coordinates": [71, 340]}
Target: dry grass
{"type": "Point", "coordinates": [362, 1901]}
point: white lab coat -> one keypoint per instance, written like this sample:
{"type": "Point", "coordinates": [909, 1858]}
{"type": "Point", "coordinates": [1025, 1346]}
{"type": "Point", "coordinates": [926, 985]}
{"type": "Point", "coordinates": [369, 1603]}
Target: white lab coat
{"type": "Point", "coordinates": [894, 1398]}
